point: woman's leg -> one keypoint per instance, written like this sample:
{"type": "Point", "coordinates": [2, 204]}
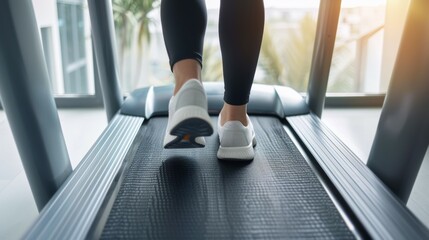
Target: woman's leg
{"type": "Point", "coordinates": [241, 26]}
{"type": "Point", "coordinates": [184, 24]}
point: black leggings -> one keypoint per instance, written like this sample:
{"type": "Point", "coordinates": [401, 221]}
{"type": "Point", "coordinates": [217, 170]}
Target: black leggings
{"type": "Point", "coordinates": [241, 25]}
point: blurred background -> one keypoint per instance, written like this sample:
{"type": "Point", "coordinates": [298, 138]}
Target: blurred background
{"type": "Point", "coordinates": [361, 62]}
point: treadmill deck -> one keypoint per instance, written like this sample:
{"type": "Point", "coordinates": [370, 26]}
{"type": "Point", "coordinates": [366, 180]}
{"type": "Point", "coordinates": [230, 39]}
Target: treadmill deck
{"type": "Point", "coordinates": [190, 194]}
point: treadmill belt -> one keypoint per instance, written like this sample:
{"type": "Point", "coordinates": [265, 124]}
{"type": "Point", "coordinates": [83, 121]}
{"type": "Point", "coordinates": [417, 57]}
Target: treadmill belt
{"type": "Point", "coordinates": [190, 194]}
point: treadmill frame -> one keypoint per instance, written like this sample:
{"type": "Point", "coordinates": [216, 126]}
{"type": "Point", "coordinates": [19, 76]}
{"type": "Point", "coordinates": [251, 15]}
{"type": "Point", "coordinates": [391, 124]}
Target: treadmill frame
{"type": "Point", "coordinates": [86, 198]}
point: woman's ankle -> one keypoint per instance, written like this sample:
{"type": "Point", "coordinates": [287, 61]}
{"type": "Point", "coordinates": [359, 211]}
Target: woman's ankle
{"type": "Point", "coordinates": [234, 113]}
{"type": "Point", "coordinates": [185, 70]}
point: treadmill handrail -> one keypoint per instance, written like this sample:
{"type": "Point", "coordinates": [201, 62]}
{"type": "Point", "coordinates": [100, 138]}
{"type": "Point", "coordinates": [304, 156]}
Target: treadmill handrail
{"type": "Point", "coordinates": [28, 101]}
{"type": "Point", "coordinates": [104, 43]}
{"type": "Point", "coordinates": [327, 22]}
{"type": "Point", "coordinates": [402, 135]}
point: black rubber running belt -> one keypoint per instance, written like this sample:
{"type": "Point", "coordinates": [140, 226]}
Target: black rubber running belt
{"type": "Point", "coordinates": [190, 194]}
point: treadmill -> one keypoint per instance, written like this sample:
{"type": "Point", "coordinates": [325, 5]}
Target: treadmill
{"type": "Point", "coordinates": [304, 182]}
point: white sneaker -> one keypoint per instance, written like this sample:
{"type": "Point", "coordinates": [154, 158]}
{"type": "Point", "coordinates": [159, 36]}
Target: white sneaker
{"type": "Point", "coordinates": [236, 140]}
{"type": "Point", "coordinates": [188, 119]}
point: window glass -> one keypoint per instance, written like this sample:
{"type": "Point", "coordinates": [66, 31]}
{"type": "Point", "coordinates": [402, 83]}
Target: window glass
{"type": "Point", "coordinates": [285, 56]}
{"type": "Point", "coordinates": [73, 47]}
{"type": "Point", "coordinates": [357, 61]}
{"type": "Point", "coordinates": [66, 38]}
{"type": "Point", "coordinates": [288, 42]}
{"type": "Point", "coordinates": [362, 62]}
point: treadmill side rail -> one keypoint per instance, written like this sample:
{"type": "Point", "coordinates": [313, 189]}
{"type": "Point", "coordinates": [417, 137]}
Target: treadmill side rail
{"type": "Point", "coordinates": [381, 213]}
{"type": "Point", "coordinates": [71, 211]}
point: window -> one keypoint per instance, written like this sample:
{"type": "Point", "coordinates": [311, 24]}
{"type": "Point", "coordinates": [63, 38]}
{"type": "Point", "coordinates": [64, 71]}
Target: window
{"type": "Point", "coordinates": [66, 38]}
{"type": "Point", "coordinates": [285, 56]}
{"type": "Point", "coordinates": [362, 62]}
{"type": "Point", "coordinates": [74, 48]}
{"type": "Point", "coordinates": [287, 46]}
{"type": "Point", "coordinates": [357, 60]}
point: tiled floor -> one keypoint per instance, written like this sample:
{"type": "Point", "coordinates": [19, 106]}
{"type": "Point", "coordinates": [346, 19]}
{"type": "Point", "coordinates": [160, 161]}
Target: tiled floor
{"type": "Point", "coordinates": [81, 128]}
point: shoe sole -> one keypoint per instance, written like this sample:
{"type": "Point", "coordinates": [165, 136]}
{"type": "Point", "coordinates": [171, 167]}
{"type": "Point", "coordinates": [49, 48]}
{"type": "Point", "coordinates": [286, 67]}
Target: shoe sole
{"type": "Point", "coordinates": [189, 123]}
{"type": "Point", "coordinates": [245, 153]}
